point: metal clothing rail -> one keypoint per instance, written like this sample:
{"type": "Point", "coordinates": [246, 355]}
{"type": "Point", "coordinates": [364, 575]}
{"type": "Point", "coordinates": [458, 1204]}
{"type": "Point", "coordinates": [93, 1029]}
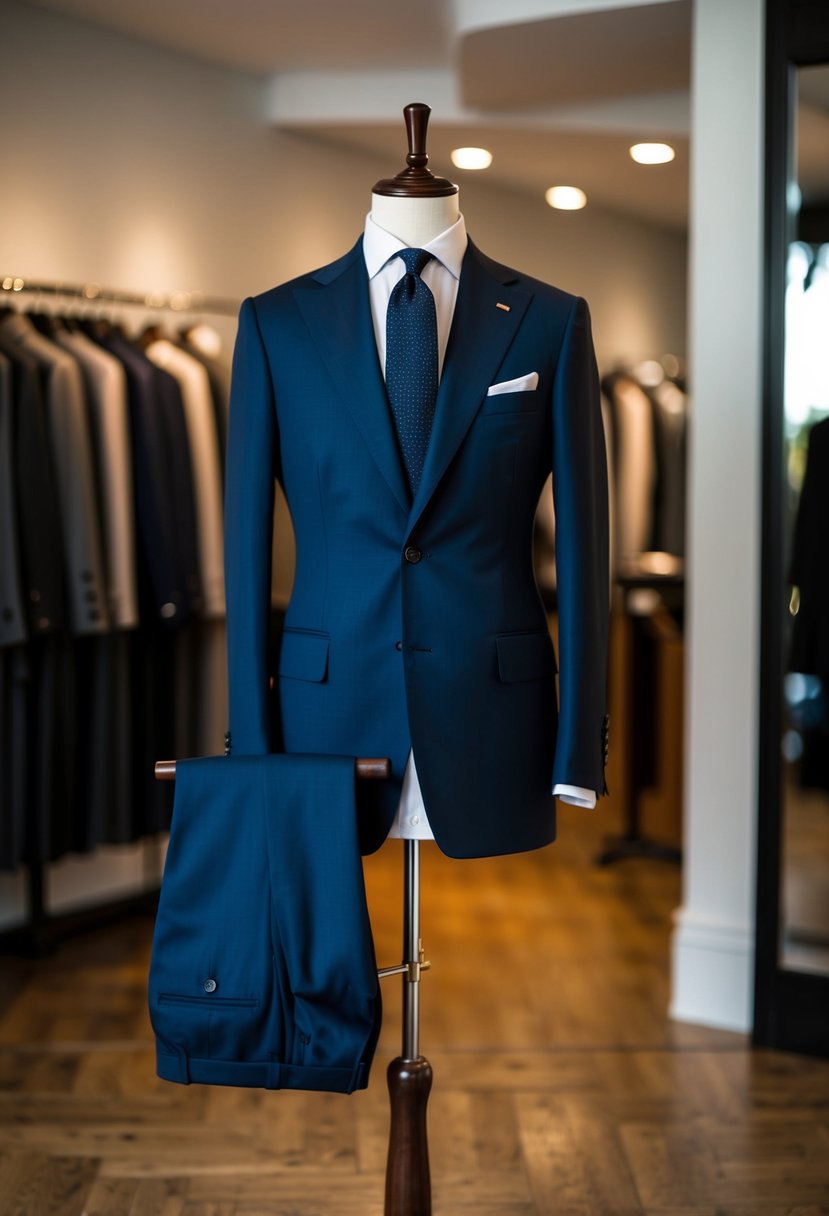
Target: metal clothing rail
{"type": "Point", "coordinates": [94, 293]}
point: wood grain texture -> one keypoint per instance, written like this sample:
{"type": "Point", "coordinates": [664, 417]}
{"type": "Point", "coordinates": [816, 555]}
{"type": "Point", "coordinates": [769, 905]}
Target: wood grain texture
{"type": "Point", "coordinates": [561, 1088]}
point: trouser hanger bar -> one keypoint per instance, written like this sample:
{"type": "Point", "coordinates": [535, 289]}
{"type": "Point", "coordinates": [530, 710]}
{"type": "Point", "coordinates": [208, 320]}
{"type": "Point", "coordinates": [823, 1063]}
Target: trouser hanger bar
{"type": "Point", "coordinates": [368, 768]}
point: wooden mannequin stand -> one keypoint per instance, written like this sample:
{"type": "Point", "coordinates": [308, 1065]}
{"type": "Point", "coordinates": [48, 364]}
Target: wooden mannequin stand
{"type": "Point", "coordinates": [417, 205]}
{"type": "Point", "coordinates": [408, 1184]}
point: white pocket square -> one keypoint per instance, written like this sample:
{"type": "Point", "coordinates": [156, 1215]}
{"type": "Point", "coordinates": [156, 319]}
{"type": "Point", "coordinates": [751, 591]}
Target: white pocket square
{"type": "Point", "coordinates": [521, 384]}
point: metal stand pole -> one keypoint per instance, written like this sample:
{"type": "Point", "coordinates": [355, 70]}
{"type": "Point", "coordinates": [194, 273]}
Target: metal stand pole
{"type": "Point", "coordinates": [408, 1183]}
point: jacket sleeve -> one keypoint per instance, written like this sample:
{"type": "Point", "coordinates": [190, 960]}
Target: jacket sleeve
{"type": "Point", "coordinates": [582, 558]}
{"type": "Point", "coordinates": [249, 500]}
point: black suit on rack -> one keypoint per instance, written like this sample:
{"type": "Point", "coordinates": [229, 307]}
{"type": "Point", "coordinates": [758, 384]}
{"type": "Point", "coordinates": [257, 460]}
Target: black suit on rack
{"type": "Point", "coordinates": [163, 481]}
{"type": "Point", "coordinates": [12, 639]}
{"type": "Point", "coordinates": [810, 561]}
{"type": "Point", "coordinates": [39, 756]}
{"type": "Point", "coordinates": [809, 572]}
{"type": "Point", "coordinates": [167, 565]}
{"type": "Point", "coordinates": [41, 547]}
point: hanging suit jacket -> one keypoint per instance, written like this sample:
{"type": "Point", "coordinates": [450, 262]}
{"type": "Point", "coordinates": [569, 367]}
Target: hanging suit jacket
{"type": "Point", "coordinates": [74, 468]}
{"type": "Point", "coordinates": [163, 482]}
{"type": "Point", "coordinates": [809, 570]}
{"type": "Point", "coordinates": [12, 615]}
{"type": "Point", "coordinates": [419, 624]}
{"type": "Point", "coordinates": [38, 510]}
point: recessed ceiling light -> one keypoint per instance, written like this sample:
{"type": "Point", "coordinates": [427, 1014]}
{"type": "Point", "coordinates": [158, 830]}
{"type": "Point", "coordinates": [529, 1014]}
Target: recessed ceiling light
{"type": "Point", "coordinates": [566, 198]}
{"type": "Point", "coordinates": [652, 154]}
{"type": "Point", "coordinates": [471, 158]}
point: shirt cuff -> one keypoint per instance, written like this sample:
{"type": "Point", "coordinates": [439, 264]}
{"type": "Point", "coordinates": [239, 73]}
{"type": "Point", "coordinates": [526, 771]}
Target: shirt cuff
{"type": "Point", "coordinates": [577, 795]}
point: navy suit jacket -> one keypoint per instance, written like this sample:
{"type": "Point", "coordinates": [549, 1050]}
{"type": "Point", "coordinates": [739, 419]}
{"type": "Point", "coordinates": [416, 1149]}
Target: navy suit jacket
{"type": "Point", "coordinates": [419, 624]}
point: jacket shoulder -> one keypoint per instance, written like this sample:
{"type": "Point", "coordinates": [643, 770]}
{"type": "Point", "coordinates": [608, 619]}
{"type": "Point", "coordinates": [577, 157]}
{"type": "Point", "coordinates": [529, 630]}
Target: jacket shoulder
{"type": "Point", "coordinates": [276, 297]}
{"type": "Point", "coordinates": [547, 292]}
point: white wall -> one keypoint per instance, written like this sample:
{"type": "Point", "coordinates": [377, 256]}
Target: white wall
{"type": "Point", "coordinates": [713, 947]}
{"type": "Point", "coordinates": [141, 169]}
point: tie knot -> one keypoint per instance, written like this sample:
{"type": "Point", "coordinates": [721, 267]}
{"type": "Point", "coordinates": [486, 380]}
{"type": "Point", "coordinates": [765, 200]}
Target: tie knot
{"type": "Point", "coordinates": [414, 259]}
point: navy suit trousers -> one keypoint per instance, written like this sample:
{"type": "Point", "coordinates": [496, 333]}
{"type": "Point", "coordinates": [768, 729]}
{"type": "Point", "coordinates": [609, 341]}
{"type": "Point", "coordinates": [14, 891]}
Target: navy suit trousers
{"type": "Point", "coordinates": [263, 970]}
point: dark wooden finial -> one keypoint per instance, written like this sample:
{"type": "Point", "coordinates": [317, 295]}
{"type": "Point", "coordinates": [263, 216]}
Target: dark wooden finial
{"type": "Point", "coordinates": [416, 180]}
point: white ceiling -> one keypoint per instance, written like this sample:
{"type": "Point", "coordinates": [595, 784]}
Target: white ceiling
{"type": "Point", "coordinates": [557, 89]}
{"type": "Point", "coordinates": [274, 35]}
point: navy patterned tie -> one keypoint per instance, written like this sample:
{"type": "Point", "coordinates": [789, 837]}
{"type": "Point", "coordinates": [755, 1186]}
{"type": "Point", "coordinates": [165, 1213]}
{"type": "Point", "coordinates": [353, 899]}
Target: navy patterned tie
{"type": "Point", "coordinates": [412, 362]}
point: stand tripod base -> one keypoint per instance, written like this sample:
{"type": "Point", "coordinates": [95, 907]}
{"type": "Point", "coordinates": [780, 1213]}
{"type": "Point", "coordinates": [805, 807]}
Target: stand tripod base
{"type": "Point", "coordinates": [408, 1185]}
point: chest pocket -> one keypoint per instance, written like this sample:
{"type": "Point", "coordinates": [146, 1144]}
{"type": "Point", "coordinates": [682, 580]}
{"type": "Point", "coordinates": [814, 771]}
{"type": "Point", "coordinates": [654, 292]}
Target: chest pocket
{"type": "Point", "coordinates": [523, 402]}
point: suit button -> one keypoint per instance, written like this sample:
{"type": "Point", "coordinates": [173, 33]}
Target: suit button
{"type": "Point", "coordinates": [8, 615]}
{"type": "Point", "coordinates": [210, 985]}
{"type": "Point", "coordinates": [398, 645]}
{"type": "Point", "coordinates": [412, 555]}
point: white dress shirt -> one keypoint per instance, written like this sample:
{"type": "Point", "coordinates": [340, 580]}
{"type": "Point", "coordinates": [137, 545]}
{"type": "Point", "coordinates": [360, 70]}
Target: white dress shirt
{"type": "Point", "coordinates": [442, 276]}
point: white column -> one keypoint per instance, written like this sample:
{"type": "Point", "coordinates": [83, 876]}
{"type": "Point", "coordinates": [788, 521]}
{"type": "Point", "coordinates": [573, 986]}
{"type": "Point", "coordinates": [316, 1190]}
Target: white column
{"type": "Point", "coordinates": [713, 942]}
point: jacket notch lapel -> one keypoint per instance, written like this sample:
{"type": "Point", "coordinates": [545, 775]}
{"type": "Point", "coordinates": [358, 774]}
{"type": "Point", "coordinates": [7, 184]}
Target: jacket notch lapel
{"type": "Point", "coordinates": [337, 312]}
{"type": "Point", "coordinates": [479, 337]}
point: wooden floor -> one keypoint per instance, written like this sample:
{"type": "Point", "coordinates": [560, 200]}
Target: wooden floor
{"type": "Point", "coordinates": [561, 1087]}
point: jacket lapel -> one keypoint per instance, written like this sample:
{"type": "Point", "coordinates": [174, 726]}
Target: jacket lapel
{"type": "Point", "coordinates": [338, 314]}
{"type": "Point", "coordinates": [479, 337]}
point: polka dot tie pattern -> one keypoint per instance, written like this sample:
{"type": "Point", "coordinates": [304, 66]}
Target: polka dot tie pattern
{"type": "Point", "coordinates": [412, 362]}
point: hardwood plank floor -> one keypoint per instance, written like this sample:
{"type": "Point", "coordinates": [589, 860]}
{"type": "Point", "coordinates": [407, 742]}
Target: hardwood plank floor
{"type": "Point", "coordinates": [561, 1087]}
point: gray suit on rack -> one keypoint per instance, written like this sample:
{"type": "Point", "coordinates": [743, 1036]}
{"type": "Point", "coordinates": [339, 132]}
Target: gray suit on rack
{"type": "Point", "coordinates": [73, 459]}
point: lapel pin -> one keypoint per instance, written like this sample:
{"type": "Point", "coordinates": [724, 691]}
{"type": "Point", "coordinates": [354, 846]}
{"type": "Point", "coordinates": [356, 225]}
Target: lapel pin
{"type": "Point", "coordinates": [504, 307]}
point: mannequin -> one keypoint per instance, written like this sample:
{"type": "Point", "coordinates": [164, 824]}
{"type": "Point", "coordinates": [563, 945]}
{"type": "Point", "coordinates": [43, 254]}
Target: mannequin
{"type": "Point", "coordinates": [415, 221]}
{"type": "Point", "coordinates": [415, 627]}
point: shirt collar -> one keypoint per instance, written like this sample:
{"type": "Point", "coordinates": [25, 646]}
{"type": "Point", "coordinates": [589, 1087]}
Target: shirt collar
{"type": "Point", "coordinates": [448, 246]}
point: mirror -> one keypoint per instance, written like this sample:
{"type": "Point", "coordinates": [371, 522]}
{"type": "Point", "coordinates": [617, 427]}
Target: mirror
{"type": "Point", "coordinates": [804, 908]}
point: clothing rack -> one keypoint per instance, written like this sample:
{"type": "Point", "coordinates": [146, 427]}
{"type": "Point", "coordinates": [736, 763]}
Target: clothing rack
{"type": "Point", "coordinates": [40, 934]}
{"type": "Point", "coordinates": [94, 293]}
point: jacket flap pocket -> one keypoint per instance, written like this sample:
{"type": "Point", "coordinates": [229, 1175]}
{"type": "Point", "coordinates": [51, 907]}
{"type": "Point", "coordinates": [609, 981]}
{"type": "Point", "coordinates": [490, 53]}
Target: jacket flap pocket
{"type": "Point", "coordinates": [524, 656]}
{"type": "Point", "coordinates": [304, 655]}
